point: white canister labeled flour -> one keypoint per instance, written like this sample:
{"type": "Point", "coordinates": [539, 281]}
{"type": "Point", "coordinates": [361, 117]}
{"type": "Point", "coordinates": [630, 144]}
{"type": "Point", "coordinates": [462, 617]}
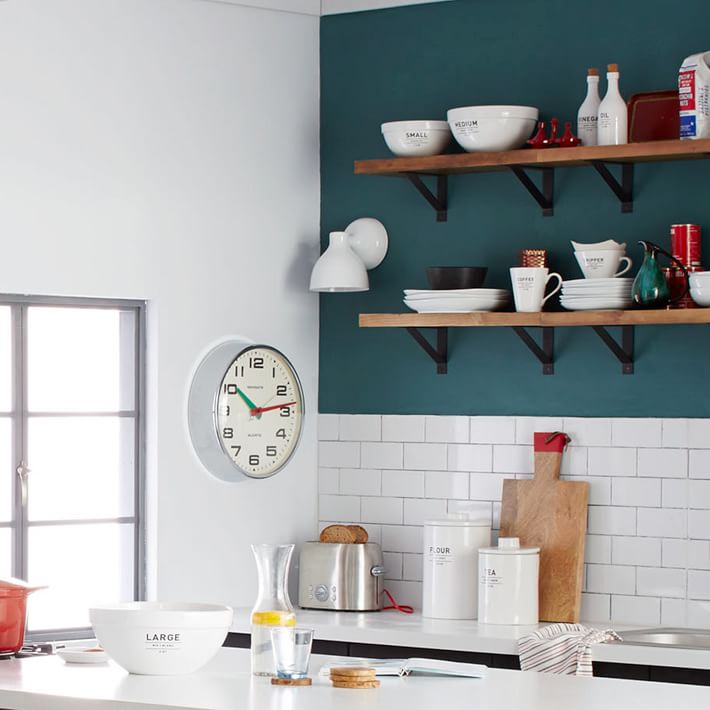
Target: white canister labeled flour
{"type": "Point", "coordinates": [508, 583]}
{"type": "Point", "coordinates": [450, 569]}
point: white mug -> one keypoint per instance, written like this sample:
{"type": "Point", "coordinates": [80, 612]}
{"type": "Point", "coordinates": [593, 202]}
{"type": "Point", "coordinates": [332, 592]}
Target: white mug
{"type": "Point", "coordinates": [529, 284]}
{"type": "Point", "coordinates": [602, 264]}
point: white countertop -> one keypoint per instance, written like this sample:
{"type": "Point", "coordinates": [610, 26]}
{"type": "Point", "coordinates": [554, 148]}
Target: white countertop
{"type": "Point", "coordinates": [392, 628]}
{"type": "Point", "coordinates": [46, 683]}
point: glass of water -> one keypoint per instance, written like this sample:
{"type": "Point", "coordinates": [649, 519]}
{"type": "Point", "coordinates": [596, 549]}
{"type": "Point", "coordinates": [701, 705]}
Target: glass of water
{"type": "Point", "coordinates": [292, 650]}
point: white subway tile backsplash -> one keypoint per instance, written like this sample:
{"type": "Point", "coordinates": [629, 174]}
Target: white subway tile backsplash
{"type": "Point", "coordinates": [674, 493]}
{"type": "Point", "coordinates": [512, 459]}
{"type": "Point", "coordinates": [338, 454]}
{"type": "Point", "coordinates": [610, 579]}
{"type": "Point", "coordinates": [588, 431]}
{"type": "Point", "coordinates": [344, 509]}
{"type": "Point", "coordinates": [469, 457]}
{"type": "Point", "coordinates": [699, 494]}
{"type": "Point", "coordinates": [597, 549]}
{"type": "Point", "coordinates": [698, 614]}
{"type": "Point", "coordinates": [492, 430]}
{"type": "Point", "coordinates": [698, 585]}
{"type": "Point", "coordinates": [674, 612]}
{"type": "Point", "coordinates": [660, 582]}
{"type": "Point", "coordinates": [636, 610]}
{"type": "Point", "coordinates": [662, 522]}
{"type": "Point", "coordinates": [605, 520]}
{"type": "Point", "coordinates": [402, 538]}
{"type": "Point", "coordinates": [637, 432]}
{"type": "Point", "coordinates": [611, 462]}
{"type": "Point", "coordinates": [596, 607]}
{"type": "Point", "coordinates": [382, 455]}
{"type": "Point", "coordinates": [407, 484]}
{"type": "Point", "coordinates": [486, 486]}
{"type": "Point", "coordinates": [328, 427]}
{"type": "Point", "coordinates": [675, 434]}
{"type": "Point", "coordinates": [393, 564]}
{"type": "Point", "coordinates": [418, 510]}
{"type": "Point", "coordinates": [425, 457]}
{"type": "Point", "coordinates": [636, 551]}
{"type": "Point", "coordinates": [526, 427]}
{"type": "Point", "coordinates": [574, 461]}
{"type": "Point", "coordinates": [698, 525]}
{"type": "Point", "coordinates": [387, 511]}
{"type": "Point", "coordinates": [476, 510]}
{"type": "Point", "coordinates": [636, 492]}
{"type": "Point", "coordinates": [360, 427]}
{"type": "Point", "coordinates": [360, 482]}
{"type": "Point", "coordinates": [328, 480]}
{"type": "Point", "coordinates": [699, 433]}
{"type": "Point", "coordinates": [446, 484]}
{"type": "Point", "coordinates": [663, 463]}
{"type": "Point", "coordinates": [405, 592]}
{"type": "Point", "coordinates": [403, 427]}
{"type": "Point", "coordinates": [699, 463]}
{"type": "Point", "coordinates": [412, 567]}
{"type": "Point", "coordinates": [447, 429]}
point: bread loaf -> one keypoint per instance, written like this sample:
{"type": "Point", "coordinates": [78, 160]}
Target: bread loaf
{"type": "Point", "coordinates": [338, 533]}
{"type": "Point", "coordinates": [360, 533]}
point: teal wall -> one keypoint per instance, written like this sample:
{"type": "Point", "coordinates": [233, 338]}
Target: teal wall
{"type": "Point", "coordinates": [415, 62]}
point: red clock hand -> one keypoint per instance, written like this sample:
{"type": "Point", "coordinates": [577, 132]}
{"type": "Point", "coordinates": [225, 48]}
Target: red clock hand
{"type": "Point", "coordinates": [259, 410]}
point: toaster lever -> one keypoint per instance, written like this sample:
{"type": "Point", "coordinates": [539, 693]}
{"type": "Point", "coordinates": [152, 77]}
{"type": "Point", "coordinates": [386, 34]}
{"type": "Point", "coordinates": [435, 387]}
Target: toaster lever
{"type": "Point", "coordinates": [377, 571]}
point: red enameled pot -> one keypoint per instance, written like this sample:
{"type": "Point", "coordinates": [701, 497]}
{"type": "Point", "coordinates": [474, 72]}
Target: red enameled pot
{"type": "Point", "coordinates": [13, 613]}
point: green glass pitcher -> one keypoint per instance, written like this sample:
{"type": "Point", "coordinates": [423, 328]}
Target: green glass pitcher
{"type": "Point", "coordinates": [650, 288]}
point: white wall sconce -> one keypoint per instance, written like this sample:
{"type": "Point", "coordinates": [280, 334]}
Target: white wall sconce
{"type": "Point", "coordinates": [343, 266]}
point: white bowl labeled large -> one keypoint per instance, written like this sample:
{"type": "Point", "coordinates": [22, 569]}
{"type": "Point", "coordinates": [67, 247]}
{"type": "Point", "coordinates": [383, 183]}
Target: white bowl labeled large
{"type": "Point", "coordinates": [161, 638]}
{"type": "Point", "coordinates": [492, 128]}
{"type": "Point", "coordinates": [416, 138]}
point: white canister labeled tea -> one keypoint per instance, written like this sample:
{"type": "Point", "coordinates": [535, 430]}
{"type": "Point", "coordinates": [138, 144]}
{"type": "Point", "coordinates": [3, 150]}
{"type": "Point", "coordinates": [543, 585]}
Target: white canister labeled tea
{"type": "Point", "coordinates": [508, 583]}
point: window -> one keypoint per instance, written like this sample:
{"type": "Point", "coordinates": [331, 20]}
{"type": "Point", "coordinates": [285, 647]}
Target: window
{"type": "Point", "coordinates": [71, 454]}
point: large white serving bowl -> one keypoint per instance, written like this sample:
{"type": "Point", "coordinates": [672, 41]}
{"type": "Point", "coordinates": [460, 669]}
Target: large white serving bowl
{"type": "Point", "coordinates": [161, 638]}
{"type": "Point", "coordinates": [492, 128]}
{"type": "Point", "coordinates": [416, 138]}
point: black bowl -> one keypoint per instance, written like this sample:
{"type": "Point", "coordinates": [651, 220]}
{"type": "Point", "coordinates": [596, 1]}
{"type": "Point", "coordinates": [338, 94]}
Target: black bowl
{"type": "Point", "coordinates": [451, 277]}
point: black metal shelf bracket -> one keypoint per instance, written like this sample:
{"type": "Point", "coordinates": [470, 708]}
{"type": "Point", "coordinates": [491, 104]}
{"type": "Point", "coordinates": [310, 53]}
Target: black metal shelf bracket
{"type": "Point", "coordinates": [439, 201]}
{"type": "Point", "coordinates": [624, 190]}
{"type": "Point", "coordinates": [545, 197]}
{"type": "Point", "coordinates": [624, 353]}
{"type": "Point", "coordinates": [440, 354]}
{"type": "Point", "coordinates": [546, 353]}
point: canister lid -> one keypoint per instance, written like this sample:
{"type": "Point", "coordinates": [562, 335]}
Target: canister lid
{"type": "Point", "coordinates": [510, 546]}
{"type": "Point", "coordinates": [458, 520]}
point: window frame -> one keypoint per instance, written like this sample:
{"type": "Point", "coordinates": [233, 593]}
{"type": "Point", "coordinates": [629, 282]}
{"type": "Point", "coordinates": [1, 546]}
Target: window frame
{"type": "Point", "coordinates": [19, 417]}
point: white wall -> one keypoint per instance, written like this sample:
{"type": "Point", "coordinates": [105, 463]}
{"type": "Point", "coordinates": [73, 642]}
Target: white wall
{"type": "Point", "coordinates": [168, 150]}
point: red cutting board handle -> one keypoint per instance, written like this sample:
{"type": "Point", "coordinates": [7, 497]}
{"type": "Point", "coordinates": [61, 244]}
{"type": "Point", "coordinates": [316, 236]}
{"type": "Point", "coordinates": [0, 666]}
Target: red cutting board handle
{"type": "Point", "coordinates": [549, 447]}
{"type": "Point", "coordinates": [550, 441]}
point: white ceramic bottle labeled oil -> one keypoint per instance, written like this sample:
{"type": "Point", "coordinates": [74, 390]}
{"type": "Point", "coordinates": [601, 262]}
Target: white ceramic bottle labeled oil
{"type": "Point", "coordinates": [613, 115]}
{"type": "Point", "coordinates": [589, 110]}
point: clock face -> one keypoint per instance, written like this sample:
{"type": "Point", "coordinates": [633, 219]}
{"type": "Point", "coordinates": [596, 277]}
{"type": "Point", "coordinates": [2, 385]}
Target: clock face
{"type": "Point", "coordinates": [259, 411]}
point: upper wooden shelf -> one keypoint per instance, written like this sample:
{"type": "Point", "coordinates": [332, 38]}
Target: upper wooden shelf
{"type": "Point", "coordinates": [652, 151]}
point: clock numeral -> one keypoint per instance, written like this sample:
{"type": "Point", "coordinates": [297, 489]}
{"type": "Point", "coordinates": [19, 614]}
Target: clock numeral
{"type": "Point", "coordinates": [281, 433]}
{"type": "Point", "coordinates": [228, 432]}
{"type": "Point", "coordinates": [285, 411]}
{"type": "Point", "coordinates": [273, 372]}
{"type": "Point", "coordinates": [254, 459]}
{"type": "Point", "coordinates": [239, 371]}
{"type": "Point", "coordinates": [224, 410]}
{"type": "Point", "coordinates": [229, 389]}
{"type": "Point", "coordinates": [237, 449]}
{"type": "Point", "coordinates": [271, 451]}
{"type": "Point", "coordinates": [256, 363]}
{"type": "Point", "coordinates": [281, 390]}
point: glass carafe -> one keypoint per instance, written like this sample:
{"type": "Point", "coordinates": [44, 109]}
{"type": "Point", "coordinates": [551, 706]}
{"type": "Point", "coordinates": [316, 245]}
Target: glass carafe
{"type": "Point", "coordinates": [273, 606]}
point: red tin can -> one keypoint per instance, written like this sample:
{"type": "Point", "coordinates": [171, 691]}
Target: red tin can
{"type": "Point", "coordinates": [676, 285]}
{"type": "Point", "coordinates": [685, 243]}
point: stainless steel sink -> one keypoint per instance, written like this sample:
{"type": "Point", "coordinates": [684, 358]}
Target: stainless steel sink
{"type": "Point", "coordinates": [677, 638]}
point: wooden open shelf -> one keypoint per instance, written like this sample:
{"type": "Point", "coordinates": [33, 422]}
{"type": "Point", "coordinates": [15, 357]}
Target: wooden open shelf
{"type": "Point", "coordinates": [520, 162]}
{"type": "Point", "coordinates": [547, 322]}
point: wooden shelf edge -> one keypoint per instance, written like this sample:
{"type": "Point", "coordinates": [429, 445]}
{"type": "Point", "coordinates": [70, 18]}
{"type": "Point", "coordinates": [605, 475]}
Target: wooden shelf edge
{"type": "Point", "coordinates": [551, 157]}
{"type": "Point", "coordinates": [689, 316]}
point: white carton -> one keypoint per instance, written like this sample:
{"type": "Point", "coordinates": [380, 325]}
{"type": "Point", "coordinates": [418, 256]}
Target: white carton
{"type": "Point", "coordinates": [694, 94]}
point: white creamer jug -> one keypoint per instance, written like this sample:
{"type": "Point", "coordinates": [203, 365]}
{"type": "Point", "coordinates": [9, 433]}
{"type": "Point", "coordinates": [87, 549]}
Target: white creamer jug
{"type": "Point", "coordinates": [694, 95]}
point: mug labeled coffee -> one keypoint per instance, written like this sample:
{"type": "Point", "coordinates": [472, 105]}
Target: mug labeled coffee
{"type": "Point", "coordinates": [603, 263]}
{"type": "Point", "coordinates": [529, 283]}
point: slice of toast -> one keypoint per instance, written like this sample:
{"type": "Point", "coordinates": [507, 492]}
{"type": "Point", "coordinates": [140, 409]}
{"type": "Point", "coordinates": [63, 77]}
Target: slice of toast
{"type": "Point", "coordinates": [337, 533]}
{"type": "Point", "coordinates": [360, 533]}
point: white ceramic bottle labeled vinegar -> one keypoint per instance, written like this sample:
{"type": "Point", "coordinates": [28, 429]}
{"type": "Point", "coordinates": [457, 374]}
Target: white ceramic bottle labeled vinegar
{"type": "Point", "coordinates": [589, 110]}
{"type": "Point", "coordinates": [613, 114]}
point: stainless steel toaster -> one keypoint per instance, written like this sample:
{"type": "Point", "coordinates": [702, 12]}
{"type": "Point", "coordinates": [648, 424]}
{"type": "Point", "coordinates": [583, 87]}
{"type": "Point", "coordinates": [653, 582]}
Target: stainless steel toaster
{"type": "Point", "coordinates": [341, 577]}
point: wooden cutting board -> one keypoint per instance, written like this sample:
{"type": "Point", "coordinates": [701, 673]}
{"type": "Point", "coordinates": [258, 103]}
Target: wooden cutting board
{"type": "Point", "coordinates": [550, 514]}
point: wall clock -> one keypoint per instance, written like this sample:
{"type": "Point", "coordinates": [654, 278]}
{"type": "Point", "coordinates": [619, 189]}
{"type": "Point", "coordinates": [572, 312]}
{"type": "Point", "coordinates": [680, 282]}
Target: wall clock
{"type": "Point", "coordinates": [244, 410]}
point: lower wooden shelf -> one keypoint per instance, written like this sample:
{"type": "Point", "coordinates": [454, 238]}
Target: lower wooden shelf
{"type": "Point", "coordinates": [547, 322]}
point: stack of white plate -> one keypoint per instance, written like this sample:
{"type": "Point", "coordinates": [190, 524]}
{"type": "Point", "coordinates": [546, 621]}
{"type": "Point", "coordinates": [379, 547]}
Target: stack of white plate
{"type": "Point", "coordinates": [596, 294]}
{"type": "Point", "coordinates": [460, 300]}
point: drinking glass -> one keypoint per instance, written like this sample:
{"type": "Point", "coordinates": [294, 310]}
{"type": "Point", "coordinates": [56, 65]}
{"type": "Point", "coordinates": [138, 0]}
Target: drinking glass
{"type": "Point", "coordinates": [292, 651]}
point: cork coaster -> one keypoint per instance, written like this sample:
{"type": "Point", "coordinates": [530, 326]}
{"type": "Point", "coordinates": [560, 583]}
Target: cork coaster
{"type": "Point", "coordinates": [353, 672]}
{"type": "Point", "coordinates": [356, 684]}
{"type": "Point", "coordinates": [291, 681]}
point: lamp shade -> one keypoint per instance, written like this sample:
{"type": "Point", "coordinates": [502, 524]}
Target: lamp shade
{"type": "Point", "coordinates": [339, 268]}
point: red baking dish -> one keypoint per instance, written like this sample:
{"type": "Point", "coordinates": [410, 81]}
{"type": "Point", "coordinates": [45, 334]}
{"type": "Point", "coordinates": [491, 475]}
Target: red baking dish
{"type": "Point", "coordinates": [13, 613]}
{"type": "Point", "coordinates": [654, 116]}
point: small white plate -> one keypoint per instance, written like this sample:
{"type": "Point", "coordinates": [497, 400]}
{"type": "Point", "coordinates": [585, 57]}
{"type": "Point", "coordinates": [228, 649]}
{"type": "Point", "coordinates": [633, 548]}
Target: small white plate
{"type": "Point", "coordinates": [456, 293]}
{"type": "Point", "coordinates": [454, 305]}
{"type": "Point", "coordinates": [80, 654]}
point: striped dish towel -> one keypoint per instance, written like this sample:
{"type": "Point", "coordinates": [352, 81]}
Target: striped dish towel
{"type": "Point", "coordinates": [562, 648]}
